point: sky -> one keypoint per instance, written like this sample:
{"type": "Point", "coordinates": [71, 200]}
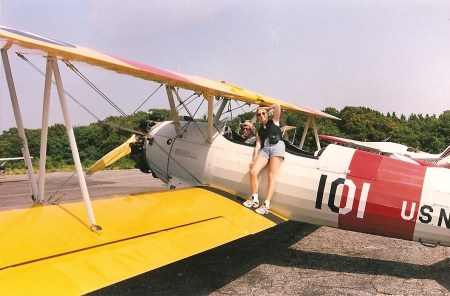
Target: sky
{"type": "Point", "coordinates": [390, 56]}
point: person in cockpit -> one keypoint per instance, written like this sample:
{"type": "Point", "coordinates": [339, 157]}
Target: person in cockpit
{"type": "Point", "coordinates": [247, 132]}
{"type": "Point", "coordinates": [269, 149]}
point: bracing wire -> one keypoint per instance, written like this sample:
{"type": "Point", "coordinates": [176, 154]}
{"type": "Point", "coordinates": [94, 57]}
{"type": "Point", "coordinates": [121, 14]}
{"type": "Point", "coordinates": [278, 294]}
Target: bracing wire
{"type": "Point", "coordinates": [86, 109]}
{"type": "Point", "coordinates": [145, 101]}
{"type": "Point", "coordinates": [95, 88]}
{"type": "Point", "coordinates": [53, 82]}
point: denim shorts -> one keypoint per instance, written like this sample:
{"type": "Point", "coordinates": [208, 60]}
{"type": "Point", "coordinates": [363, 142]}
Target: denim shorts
{"type": "Point", "coordinates": [271, 150]}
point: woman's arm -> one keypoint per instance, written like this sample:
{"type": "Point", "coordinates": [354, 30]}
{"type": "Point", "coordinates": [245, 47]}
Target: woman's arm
{"type": "Point", "coordinates": [276, 114]}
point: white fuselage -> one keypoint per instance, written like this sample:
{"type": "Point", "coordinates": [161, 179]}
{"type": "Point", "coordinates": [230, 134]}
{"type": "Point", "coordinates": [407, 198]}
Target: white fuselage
{"type": "Point", "coordinates": [342, 188]}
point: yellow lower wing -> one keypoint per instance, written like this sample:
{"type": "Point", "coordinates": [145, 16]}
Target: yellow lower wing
{"type": "Point", "coordinates": [49, 250]}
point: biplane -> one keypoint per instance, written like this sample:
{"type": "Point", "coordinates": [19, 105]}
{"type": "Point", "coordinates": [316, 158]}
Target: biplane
{"type": "Point", "coordinates": [83, 246]}
{"type": "Point", "coordinates": [396, 150]}
{"type": "Point", "coordinates": [4, 160]}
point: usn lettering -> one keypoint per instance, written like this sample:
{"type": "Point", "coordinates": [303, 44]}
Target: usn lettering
{"type": "Point", "coordinates": [408, 210]}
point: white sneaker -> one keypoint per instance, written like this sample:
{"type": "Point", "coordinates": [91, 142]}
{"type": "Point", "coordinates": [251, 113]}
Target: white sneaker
{"type": "Point", "coordinates": [264, 209]}
{"type": "Point", "coordinates": [251, 203]}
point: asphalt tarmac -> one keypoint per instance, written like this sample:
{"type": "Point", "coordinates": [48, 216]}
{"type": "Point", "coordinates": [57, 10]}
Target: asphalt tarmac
{"type": "Point", "coordinates": [290, 259]}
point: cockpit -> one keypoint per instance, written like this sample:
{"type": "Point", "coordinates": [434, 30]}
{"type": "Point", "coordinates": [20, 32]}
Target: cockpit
{"type": "Point", "coordinates": [231, 133]}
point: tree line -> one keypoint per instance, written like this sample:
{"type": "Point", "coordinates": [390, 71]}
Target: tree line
{"type": "Point", "coordinates": [429, 133]}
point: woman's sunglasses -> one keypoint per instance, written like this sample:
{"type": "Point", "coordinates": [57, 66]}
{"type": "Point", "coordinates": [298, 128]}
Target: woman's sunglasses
{"type": "Point", "coordinates": [245, 129]}
{"type": "Point", "coordinates": [262, 113]}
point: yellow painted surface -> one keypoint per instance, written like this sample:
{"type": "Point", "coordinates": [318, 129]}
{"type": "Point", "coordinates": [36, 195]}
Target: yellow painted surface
{"type": "Point", "coordinates": [113, 156]}
{"type": "Point", "coordinates": [29, 43]}
{"type": "Point", "coordinates": [50, 250]}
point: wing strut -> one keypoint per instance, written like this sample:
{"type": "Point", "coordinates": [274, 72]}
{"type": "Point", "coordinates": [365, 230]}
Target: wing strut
{"type": "Point", "coordinates": [38, 192]}
{"type": "Point", "coordinates": [316, 134]}
{"type": "Point", "coordinates": [312, 120]}
{"type": "Point", "coordinates": [73, 145]}
{"type": "Point", "coordinates": [210, 99]}
{"type": "Point", "coordinates": [173, 110]}
{"type": "Point", "coordinates": [44, 129]}
{"type": "Point", "coordinates": [221, 108]}
{"type": "Point", "coordinates": [19, 123]}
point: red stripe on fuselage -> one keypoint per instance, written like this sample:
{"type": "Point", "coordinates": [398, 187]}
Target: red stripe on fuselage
{"type": "Point", "coordinates": [391, 183]}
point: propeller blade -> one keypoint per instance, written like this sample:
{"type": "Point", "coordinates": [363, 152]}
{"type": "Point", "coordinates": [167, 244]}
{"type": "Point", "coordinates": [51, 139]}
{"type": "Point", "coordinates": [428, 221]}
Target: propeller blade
{"type": "Point", "coordinates": [112, 156]}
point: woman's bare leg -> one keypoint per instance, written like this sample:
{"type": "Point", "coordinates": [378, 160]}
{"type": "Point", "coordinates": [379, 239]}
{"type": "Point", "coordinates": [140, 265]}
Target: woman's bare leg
{"type": "Point", "coordinates": [258, 165]}
{"type": "Point", "coordinates": [274, 166]}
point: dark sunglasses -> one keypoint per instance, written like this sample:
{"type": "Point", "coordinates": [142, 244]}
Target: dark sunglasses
{"type": "Point", "coordinates": [245, 129]}
{"type": "Point", "coordinates": [262, 113]}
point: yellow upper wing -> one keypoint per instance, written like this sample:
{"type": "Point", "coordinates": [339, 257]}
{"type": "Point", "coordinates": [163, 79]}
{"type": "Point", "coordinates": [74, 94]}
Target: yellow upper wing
{"type": "Point", "coordinates": [24, 42]}
{"type": "Point", "coordinates": [51, 251]}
